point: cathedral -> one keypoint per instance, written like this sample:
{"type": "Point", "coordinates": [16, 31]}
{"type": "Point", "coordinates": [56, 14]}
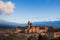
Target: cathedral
{"type": "Point", "coordinates": [32, 29]}
{"type": "Point", "coordinates": [43, 30]}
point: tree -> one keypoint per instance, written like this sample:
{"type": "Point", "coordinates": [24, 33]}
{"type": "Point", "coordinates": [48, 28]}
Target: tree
{"type": "Point", "coordinates": [40, 37]}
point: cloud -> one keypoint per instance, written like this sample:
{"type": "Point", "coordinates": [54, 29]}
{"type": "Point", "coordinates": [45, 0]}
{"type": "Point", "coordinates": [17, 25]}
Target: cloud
{"type": "Point", "coordinates": [6, 7]}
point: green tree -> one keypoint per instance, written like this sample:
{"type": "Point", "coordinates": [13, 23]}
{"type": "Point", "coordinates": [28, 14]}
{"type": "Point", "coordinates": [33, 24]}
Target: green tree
{"type": "Point", "coordinates": [40, 37]}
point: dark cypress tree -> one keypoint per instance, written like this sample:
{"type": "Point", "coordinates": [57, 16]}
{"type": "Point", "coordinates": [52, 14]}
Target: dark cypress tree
{"type": "Point", "coordinates": [40, 37]}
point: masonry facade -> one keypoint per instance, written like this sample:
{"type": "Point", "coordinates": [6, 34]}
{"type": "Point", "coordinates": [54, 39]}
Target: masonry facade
{"type": "Point", "coordinates": [48, 31]}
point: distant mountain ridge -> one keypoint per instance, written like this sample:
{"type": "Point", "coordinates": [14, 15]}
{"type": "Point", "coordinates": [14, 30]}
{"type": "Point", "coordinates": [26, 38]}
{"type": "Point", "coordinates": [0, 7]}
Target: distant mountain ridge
{"type": "Point", "coordinates": [49, 23]}
{"type": "Point", "coordinates": [8, 23]}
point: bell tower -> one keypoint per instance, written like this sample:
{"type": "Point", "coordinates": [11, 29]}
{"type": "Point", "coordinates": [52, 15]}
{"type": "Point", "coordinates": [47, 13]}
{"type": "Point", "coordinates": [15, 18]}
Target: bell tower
{"type": "Point", "coordinates": [29, 25]}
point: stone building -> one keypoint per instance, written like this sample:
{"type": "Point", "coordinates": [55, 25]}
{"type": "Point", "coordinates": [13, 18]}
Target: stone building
{"type": "Point", "coordinates": [48, 31]}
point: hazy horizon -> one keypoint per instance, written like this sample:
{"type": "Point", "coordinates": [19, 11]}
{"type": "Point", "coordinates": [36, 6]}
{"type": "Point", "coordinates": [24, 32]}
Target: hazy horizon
{"type": "Point", "coordinates": [22, 11]}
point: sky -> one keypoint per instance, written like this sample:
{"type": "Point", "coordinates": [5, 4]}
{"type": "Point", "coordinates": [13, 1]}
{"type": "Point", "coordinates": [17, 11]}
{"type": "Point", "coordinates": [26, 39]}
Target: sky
{"type": "Point", "coordinates": [22, 11]}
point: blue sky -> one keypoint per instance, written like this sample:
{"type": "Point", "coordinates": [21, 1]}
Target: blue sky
{"type": "Point", "coordinates": [33, 10]}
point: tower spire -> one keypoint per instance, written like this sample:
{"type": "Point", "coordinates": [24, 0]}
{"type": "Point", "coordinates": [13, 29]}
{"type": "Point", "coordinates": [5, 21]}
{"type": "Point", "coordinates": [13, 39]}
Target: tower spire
{"type": "Point", "coordinates": [29, 24]}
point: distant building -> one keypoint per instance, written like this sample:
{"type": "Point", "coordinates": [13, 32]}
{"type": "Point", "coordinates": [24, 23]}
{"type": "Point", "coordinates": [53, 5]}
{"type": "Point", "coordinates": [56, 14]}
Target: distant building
{"type": "Point", "coordinates": [48, 31]}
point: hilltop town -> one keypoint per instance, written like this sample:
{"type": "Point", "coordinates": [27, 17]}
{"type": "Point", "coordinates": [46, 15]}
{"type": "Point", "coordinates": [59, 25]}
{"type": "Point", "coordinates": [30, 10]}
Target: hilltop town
{"type": "Point", "coordinates": [30, 31]}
